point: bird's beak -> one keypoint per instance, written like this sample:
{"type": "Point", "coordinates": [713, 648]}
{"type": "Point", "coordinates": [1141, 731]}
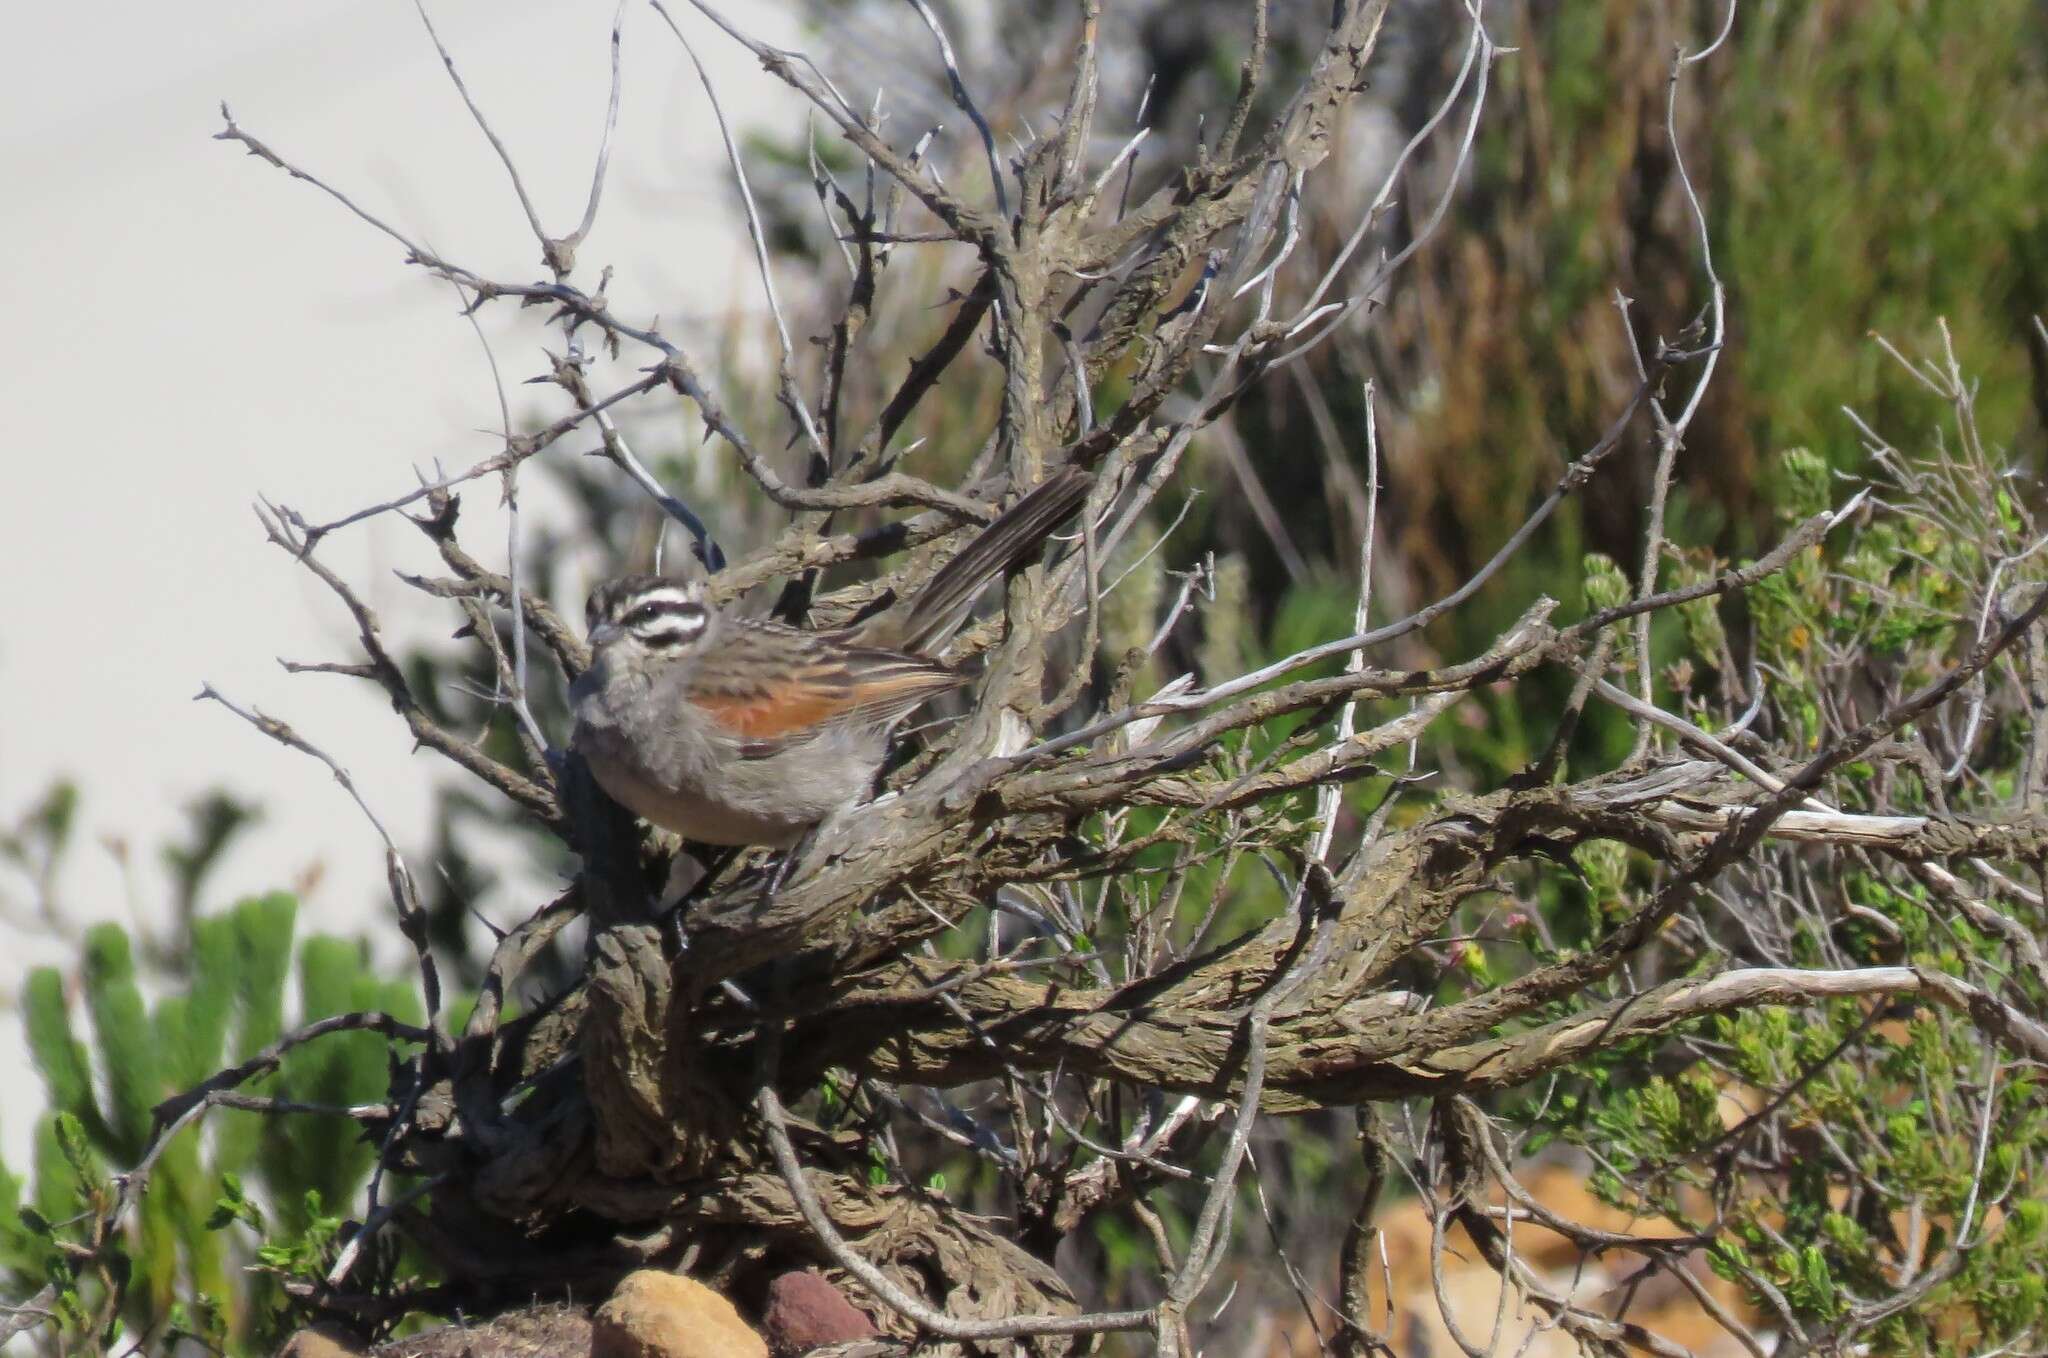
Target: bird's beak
{"type": "Point", "coordinates": [604, 634]}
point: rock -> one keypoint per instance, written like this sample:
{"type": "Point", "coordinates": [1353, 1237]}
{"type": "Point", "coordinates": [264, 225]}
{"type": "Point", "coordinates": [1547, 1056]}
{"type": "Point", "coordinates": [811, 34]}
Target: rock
{"type": "Point", "coordinates": [321, 1341]}
{"type": "Point", "coordinates": [806, 1312]}
{"type": "Point", "coordinates": [662, 1315]}
{"type": "Point", "coordinates": [1473, 1290]}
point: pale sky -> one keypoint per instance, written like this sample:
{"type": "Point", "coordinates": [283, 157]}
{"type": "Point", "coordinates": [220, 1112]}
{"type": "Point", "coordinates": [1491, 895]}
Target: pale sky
{"type": "Point", "coordinates": [191, 328]}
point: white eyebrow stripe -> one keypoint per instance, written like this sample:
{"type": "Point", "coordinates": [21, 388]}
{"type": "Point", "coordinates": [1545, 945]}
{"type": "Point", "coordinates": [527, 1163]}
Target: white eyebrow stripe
{"type": "Point", "coordinates": [670, 628]}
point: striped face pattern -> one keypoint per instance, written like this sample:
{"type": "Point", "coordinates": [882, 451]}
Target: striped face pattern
{"type": "Point", "coordinates": [661, 615]}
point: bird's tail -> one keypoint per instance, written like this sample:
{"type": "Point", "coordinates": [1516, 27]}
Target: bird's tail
{"type": "Point", "coordinates": [938, 609]}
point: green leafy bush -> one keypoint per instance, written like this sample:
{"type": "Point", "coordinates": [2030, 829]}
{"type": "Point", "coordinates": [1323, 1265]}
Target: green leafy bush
{"type": "Point", "coordinates": [108, 1056]}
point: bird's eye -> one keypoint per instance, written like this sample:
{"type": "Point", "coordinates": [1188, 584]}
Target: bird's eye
{"type": "Point", "coordinates": [663, 608]}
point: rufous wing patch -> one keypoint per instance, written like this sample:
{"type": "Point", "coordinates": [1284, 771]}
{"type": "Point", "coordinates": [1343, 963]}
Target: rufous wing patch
{"type": "Point", "coordinates": [794, 685]}
{"type": "Point", "coordinates": [777, 711]}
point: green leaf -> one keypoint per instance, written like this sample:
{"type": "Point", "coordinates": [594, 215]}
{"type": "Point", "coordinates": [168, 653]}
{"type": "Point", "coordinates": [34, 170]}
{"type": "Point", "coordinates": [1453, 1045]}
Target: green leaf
{"type": "Point", "coordinates": [55, 1048]}
{"type": "Point", "coordinates": [128, 1047]}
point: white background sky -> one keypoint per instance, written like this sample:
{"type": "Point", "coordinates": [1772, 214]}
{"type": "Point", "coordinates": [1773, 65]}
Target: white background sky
{"type": "Point", "coordinates": [189, 328]}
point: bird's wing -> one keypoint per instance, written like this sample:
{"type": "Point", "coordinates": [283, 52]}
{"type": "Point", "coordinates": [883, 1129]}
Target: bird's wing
{"type": "Point", "coordinates": [779, 685]}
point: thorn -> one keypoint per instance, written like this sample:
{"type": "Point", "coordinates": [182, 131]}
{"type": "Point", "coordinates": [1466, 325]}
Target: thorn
{"type": "Point", "coordinates": [1855, 503]}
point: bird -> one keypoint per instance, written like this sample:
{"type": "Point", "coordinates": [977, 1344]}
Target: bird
{"type": "Point", "coordinates": [738, 731]}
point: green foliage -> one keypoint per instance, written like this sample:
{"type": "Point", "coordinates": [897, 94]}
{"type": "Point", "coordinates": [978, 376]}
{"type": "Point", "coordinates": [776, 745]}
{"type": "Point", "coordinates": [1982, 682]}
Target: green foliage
{"type": "Point", "coordinates": [216, 818]}
{"type": "Point", "coordinates": [306, 1252]}
{"type": "Point", "coordinates": [1870, 193]}
{"type": "Point", "coordinates": [1849, 188]}
{"type": "Point", "coordinates": [39, 1239]}
{"type": "Point", "coordinates": [327, 1157]}
{"type": "Point", "coordinates": [127, 1042]}
{"type": "Point", "coordinates": [1842, 1146]}
{"type": "Point", "coordinates": [180, 1260]}
{"type": "Point", "coordinates": [38, 844]}
{"type": "Point", "coordinates": [1606, 585]}
{"type": "Point", "coordinates": [56, 1050]}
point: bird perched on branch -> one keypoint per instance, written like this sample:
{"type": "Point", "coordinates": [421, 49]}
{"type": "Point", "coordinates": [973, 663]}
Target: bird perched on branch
{"type": "Point", "coordinates": [731, 730]}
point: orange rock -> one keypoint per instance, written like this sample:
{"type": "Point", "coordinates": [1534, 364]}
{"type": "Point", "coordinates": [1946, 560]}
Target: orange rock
{"type": "Point", "coordinates": [1600, 1283]}
{"type": "Point", "coordinates": [663, 1315]}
